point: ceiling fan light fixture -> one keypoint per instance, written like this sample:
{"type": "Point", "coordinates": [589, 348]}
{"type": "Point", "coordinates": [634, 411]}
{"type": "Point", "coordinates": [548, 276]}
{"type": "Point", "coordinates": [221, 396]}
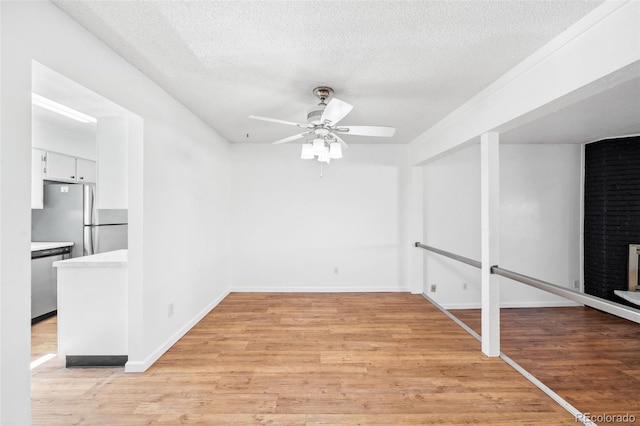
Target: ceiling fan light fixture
{"type": "Point", "coordinates": [307, 152]}
{"type": "Point", "coordinates": [324, 158]}
{"type": "Point", "coordinates": [335, 150]}
{"type": "Point", "coordinates": [319, 147]}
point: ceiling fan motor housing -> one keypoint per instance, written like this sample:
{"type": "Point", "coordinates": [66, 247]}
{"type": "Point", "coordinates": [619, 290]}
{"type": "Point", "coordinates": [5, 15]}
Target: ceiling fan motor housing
{"type": "Point", "coordinates": [315, 112]}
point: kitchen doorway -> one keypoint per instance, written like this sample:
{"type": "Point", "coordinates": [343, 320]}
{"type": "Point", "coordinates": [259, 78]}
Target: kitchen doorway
{"type": "Point", "coordinates": [89, 148]}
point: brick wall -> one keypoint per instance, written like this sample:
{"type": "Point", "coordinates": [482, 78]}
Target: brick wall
{"type": "Point", "coordinates": [611, 214]}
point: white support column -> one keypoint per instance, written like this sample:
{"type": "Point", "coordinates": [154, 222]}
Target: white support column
{"type": "Point", "coordinates": [416, 227]}
{"type": "Point", "coordinates": [490, 224]}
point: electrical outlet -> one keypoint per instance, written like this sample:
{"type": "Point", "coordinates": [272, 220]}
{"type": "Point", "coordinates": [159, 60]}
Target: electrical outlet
{"type": "Point", "coordinates": [335, 270]}
{"type": "Point", "coordinates": [576, 284]}
{"type": "Point", "coordinates": [170, 310]}
{"type": "Point", "coordinates": [433, 288]}
{"type": "Point", "coordinates": [465, 286]}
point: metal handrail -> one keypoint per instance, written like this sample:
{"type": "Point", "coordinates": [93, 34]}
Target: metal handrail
{"type": "Point", "coordinates": [614, 308]}
{"type": "Point", "coordinates": [459, 258]}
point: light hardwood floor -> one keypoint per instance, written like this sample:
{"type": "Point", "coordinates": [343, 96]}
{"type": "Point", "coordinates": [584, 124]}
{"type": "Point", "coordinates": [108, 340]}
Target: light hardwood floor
{"type": "Point", "coordinates": [44, 338]}
{"type": "Point", "coordinates": [588, 357]}
{"type": "Point", "coordinates": [305, 359]}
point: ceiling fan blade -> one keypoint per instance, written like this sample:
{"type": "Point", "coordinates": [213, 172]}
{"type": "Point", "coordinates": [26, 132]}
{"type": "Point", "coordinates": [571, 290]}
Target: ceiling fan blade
{"type": "Point", "coordinates": [275, 120]}
{"type": "Point", "coordinates": [379, 131]}
{"type": "Point", "coordinates": [339, 139]}
{"type": "Point", "coordinates": [335, 111]}
{"type": "Point", "coordinates": [291, 138]}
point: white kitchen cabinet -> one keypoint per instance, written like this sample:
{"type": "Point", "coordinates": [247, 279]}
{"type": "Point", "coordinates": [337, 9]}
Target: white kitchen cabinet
{"type": "Point", "coordinates": [65, 168]}
{"type": "Point", "coordinates": [37, 176]}
{"type": "Point", "coordinates": [85, 170]}
{"type": "Point", "coordinates": [60, 167]}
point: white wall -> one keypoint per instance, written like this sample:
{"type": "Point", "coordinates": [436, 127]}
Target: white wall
{"type": "Point", "coordinates": [539, 219]}
{"type": "Point", "coordinates": [292, 229]}
{"type": "Point", "coordinates": [452, 223]}
{"type": "Point", "coordinates": [50, 137]}
{"type": "Point", "coordinates": [539, 222]}
{"type": "Point", "coordinates": [178, 195]}
{"type": "Point", "coordinates": [112, 141]}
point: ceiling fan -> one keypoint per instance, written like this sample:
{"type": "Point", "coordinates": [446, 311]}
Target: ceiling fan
{"type": "Point", "coordinates": [322, 126]}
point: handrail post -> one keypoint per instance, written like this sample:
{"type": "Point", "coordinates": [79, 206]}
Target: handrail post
{"type": "Point", "coordinates": [490, 232]}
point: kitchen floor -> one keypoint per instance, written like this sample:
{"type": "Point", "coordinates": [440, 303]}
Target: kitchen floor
{"type": "Point", "coordinates": [44, 338]}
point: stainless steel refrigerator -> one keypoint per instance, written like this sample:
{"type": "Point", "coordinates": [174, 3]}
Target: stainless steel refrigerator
{"type": "Point", "coordinates": [70, 214]}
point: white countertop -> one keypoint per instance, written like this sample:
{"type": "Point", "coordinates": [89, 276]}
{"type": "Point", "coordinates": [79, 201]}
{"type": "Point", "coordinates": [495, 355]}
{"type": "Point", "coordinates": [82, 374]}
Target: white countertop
{"type": "Point", "coordinates": [110, 259]}
{"type": "Point", "coordinates": [631, 296]}
{"type": "Point", "coordinates": [37, 246]}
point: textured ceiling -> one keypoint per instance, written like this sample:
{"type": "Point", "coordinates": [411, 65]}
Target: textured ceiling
{"type": "Point", "coordinates": [402, 64]}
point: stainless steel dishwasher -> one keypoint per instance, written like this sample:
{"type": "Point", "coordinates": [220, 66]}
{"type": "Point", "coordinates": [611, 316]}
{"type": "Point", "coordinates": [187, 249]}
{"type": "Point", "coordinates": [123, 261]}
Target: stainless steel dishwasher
{"type": "Point", "coordinates": [44, 283]}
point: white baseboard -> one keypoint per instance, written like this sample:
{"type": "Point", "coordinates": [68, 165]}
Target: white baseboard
{"type": "Point", "coordinates": [141, 366]}
{"type": "Point", "coordinates": [319, 289]}
{"type": "Point", "coordinates": [539, 304]}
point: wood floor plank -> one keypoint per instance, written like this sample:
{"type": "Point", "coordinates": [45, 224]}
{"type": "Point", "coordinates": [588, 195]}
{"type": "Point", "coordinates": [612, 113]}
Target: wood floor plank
{"type": "Point", "coordinates": [305, 359]}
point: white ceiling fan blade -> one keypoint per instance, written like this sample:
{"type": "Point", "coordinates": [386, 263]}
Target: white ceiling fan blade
{"type": "Point", "coordinates": [291, 138]}
{"type": "Point", "coordinates": [335, 111]}
{"type": "Point", "coordinates": [379, 131]}
{"type": "Point", "coordinates": [339, 139]}
{"type": "Point", "coordinates": [275, 120]}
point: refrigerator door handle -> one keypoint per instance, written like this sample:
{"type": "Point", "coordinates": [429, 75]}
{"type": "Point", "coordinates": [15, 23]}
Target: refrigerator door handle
{"type": "Point", "coordinates": [89, 240]}
{"type": "Point", "coordinates": [89, 204]}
